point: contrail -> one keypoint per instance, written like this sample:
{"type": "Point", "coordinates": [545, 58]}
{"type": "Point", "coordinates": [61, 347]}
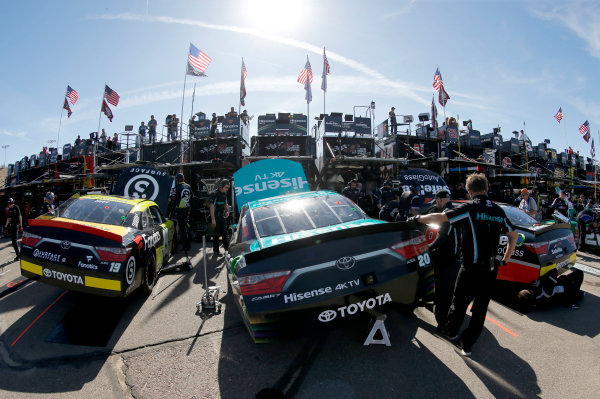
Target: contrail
{"type": "Point", "coordinates": [405, 89]}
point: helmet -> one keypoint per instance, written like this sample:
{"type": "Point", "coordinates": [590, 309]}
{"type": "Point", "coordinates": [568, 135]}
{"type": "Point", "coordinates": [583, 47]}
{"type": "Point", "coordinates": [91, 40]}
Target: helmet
{"type": "Point", "coordinates": [49, 195]}
{"type": "Point", "coordinates": [179, 177]}
{"type": "Point", "coordinates": [11, 201]}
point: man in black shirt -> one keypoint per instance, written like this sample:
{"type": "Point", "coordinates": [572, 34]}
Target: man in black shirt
{"type": "Point", "coordinates": [390, 210]}
{"type": "Point", "coordinates": [213, 125]}
{"type": "Point", "coordinates": [482, 223]}
{"type": "Point", "coordinates": [219, 212]}
{"type": "Point", "coordinates": [446, 255]}
{"type": "Point", "coordinates": [16, 224]}
{"type": "Point", "coordinates": [387, 192]}
{"type": "Point", "coordinates": [181, 206]}
{"type": "Point", "coordinates": [351, 191]}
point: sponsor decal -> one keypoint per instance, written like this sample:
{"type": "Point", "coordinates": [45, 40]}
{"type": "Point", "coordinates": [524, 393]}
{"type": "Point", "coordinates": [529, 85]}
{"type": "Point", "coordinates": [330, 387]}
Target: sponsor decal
{"type": "Point", "coordinates": [48, 256]}
{"type": "Point", "coordinates": [485, 216]}
{"type": "Point", "coordinates": [520, 240]}
{"type": "Point", "coordinates": [557, 250]}
{"type": "Point", "coordinates": [142, 186]}
{"type": "Point", "coordinates": [69, 278]}
{"type": "Point", "coordinates": [345, 263]}
{"type": "Point", "coordinates": [65, 244]}
{"type": "Point", "coordinates": [298, 296]}
{"type": "Point", "coordinates": [268, 296]}
{"type": "Point", "coordinates": [130, 270]}
{"type": "Point", "coordinates": [562, 264]}
{"type": "Point", "coordinates": [343, 311]}
{"type": "Point", "coordinates": [151, 241]}
{"type": "Point", "coordinates": [87, 265]}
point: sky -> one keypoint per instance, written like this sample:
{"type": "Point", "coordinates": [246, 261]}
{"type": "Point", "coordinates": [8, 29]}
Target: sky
{"type": "Point", "coordinates": [505, 63]}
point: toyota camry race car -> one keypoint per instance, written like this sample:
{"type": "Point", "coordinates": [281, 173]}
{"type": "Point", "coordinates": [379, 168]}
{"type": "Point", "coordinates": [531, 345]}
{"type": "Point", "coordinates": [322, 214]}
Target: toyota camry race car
{"type": "Point", "coordinates": [316, 256]}
{"type": "Point", "coordinates": [540, 247]}
{"type": "Point", "coordinates": [99, 244]}
{"type": "Point", "coordinates": [104, 244]}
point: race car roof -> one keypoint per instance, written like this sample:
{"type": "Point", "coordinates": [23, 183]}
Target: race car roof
{"type": "Point", "coordinates": [287, 197]}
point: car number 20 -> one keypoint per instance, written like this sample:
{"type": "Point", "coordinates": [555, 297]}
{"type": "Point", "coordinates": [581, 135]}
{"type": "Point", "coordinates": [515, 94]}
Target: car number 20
{"type": "Point", "coordinates": [424, 259]}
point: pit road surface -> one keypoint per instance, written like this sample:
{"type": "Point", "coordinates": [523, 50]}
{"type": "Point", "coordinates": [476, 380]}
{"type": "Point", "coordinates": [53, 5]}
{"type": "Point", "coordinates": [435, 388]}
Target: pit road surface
{"type": "Point", "coordinates": [52, 346]}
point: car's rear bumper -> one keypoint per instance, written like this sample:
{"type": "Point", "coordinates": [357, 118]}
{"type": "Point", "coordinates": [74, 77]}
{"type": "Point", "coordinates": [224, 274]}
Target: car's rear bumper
{"type": "Point", "coordinates": [87, 281]}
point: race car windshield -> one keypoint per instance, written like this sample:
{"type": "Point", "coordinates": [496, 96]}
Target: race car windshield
{"type": "Point", "coordinates": [518, 217]}
{"type": "Point", "coordinates": [96, 211]}
{"type": "Point", "coordinates": [305, 214]}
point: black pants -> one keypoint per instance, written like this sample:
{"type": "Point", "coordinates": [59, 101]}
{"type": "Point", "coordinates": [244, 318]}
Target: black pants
{"type": "Point", "coordinates": [222, 231]}
{"type": "Point", "coordinates": [445, 279]}
{"type": "Point", "coordinates": [474, 283]}
{"type": "Point", "coordinates": [183, 228]}
{"type": "Point", "coordinates": [13, 237]}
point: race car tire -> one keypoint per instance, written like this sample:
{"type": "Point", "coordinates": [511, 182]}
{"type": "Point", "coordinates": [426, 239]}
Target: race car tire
{"type": "Point", "coordinates": [150, 275]}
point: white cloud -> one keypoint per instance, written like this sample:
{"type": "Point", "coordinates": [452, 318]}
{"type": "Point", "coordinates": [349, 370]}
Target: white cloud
{"type": "Point", "coordinates": [581, 17]}
{"type": "Point", "coordinates": [405, 89]}
{"type": "Point", "coordinates": [17, 134]}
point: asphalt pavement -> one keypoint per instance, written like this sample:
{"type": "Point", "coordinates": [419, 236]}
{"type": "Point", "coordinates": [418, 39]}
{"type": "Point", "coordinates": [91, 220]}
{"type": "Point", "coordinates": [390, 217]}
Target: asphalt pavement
{"type": "Point", "coordinates": [160, 346]}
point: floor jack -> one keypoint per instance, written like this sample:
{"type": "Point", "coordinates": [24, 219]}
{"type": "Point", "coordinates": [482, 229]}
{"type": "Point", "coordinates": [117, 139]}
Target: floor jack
{"type": "Point", "coordinates": [210, 299]}
{"type": "Point", "coordinates": [185, 265]}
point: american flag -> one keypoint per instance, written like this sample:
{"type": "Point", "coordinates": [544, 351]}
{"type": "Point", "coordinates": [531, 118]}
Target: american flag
{"type": "Point", "coordinates": [443, 96]}
{"type": "Point", "coordinates": [107, 111]}
{"type": "Point", "coordinates": [586, 137]}
{"type": "Point", "coordinates": [326, 71]}
{"type": "Point", "coordinates": [306, 72]}
{"type": "Point", "coordinates": [72, 95]}
{"type": "Point", "coordinates": [243, 84]}
{"type": "Point", "coordinates": [593, 149]}
{"type": "Point", "coordinates": [585, 127]}
{"type": "Point", "coordinates": [559, 115]}
{"type": "Point", "coordinates": [437, 80]}
{"type": "Point", "coordinates": [198, 61]}
{"type": "Point", "coordinates": [111, 95]}
{"type": "Point", "coordinates": [66, 106]}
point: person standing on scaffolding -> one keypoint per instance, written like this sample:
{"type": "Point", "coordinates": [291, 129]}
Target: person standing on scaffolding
{"type": "Point", "coordinates": [393, 122]}
{"type": "Point", "coordinates": [181, 206]}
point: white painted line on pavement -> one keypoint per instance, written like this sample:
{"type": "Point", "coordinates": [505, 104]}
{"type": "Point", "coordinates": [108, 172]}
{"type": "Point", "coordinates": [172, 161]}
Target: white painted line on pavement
{"type": "Point", "coordinates": [587, 269]}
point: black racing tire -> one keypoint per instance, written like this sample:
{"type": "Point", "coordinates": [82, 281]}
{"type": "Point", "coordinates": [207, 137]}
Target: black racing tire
{"type": "Point", "coordinates": [150, 275]}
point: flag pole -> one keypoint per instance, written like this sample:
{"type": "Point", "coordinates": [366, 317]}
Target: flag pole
{"type": "Point", "coordinates": [60, 121]}
{"type": "Point", "coordinates": [240, 97]}
{"type": "Point", "coordinates": [193, 97]}
{"type": "Point", "coordinates": [182, 100]}
{"type": "Point", "coordinates": [100, 116]}
{"type": "Point", "coordinates": [526, 155]}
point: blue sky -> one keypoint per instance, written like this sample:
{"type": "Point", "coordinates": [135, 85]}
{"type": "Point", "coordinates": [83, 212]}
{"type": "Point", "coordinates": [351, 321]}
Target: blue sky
{"type": "Point", "coordinates": [504, 63]}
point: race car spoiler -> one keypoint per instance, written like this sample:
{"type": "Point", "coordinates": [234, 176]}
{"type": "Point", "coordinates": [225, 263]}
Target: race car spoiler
{"type": "Point", "coordinates": [539, 229]}
{"type": "Point", "coordinates": [76, 227]}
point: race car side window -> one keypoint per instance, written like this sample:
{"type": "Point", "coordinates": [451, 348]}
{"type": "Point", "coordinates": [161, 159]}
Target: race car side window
{"type": "Point", "coordinates": [156, 215]}
{"type": "Point", "coordinates": [147, 221]}
{"type": "Point", "coordinates": [246, 230]}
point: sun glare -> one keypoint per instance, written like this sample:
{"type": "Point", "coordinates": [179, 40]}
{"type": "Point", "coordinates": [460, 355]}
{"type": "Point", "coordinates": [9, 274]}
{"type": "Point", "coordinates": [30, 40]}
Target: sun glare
{"type": "Point", "coordinates": [280, 16]}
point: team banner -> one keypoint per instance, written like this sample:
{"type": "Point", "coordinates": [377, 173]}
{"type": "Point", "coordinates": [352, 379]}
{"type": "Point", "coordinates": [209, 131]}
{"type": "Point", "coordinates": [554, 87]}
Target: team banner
{"type": "Point", "coordinates": [230, 126]}
{"type": "Point", "coordinates": [266, 125]}
{"type": "Point", "coordinates": [66, 152]}
{"type": "Point", "coordinates": [200, 128]}
{"type": "Point", "coordinates": [280, 146]}
{"type": "Point", "coordinates": [228, 150]}
{"type": "Point", "coordinates": [145, 183]}
{"type": "Point", "coordinates": [429, 181]}
{"type": "Point", "coordinates": [333, 124]}
{"type": "Point", "coordinates": [268, 178]}
{"type": "Point", "coordinates": [348, 146]}
{"type": "Point", "coordinates": [298, 124]}
{"type": "Point", "coordinates": [451, 135]}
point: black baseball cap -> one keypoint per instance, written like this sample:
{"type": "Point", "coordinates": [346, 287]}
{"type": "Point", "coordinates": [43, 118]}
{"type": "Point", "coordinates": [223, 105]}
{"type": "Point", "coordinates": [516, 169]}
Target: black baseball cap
{"type": "Point", "coordinates": [442, 194]}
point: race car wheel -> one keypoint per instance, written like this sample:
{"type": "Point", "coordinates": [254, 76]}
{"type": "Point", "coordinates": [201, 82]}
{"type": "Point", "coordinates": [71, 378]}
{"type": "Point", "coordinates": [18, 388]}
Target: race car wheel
{"type": "Point", "coordinates": [150, 275]}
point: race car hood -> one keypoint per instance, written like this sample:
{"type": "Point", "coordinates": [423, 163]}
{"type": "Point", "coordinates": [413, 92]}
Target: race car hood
{"type": "Point", "coordinates": [114, 233]}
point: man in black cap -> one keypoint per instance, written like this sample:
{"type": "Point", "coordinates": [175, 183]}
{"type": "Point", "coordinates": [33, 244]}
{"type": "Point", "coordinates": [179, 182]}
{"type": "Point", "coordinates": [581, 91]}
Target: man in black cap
{"type": "Point", "coordinates": [482, 223]}
{"type": "Point", "coordinates": [181, 205]}
{"type": "Point", "coordinates": [16, 224]}
{"type": "Point", "coordinates": [219, 212]}
{"type": "Point", "coordinates": [446, 255]}
{"type": "Point", "coordinates": [351, 191]}
{"type": "Point", "coordinates": [407, 200]}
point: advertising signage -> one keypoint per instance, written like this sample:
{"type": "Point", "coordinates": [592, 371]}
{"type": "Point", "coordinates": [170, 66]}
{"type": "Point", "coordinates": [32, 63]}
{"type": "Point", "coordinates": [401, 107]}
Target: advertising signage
{"type": "Point", "coordinates": [266, 125]}
{"type": "Point", "coordinates": [298, 124]}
